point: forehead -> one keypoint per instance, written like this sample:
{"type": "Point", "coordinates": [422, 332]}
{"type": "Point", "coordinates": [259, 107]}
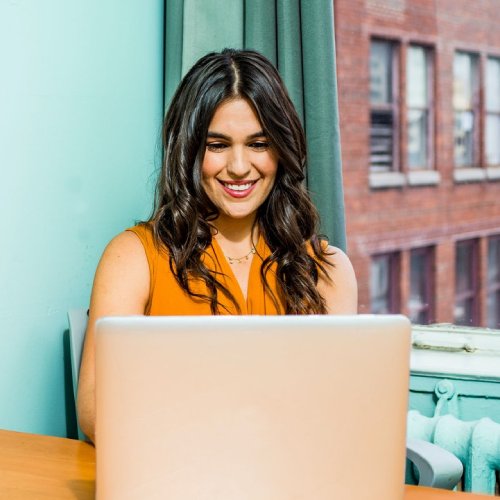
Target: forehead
{"type": "Point", "coordinates": [235, 116]}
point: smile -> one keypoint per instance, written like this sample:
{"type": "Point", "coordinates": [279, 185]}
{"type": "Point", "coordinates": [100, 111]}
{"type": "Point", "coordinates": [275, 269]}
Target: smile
{"type": "Point", "coordinates": [238, 189]}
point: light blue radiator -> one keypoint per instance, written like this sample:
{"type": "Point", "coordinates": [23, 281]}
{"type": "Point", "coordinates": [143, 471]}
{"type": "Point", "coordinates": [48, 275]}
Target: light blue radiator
{"type": "Point", "coordinates": [475, 443]}
{"type": "Point", "coordinates": [455, 398]}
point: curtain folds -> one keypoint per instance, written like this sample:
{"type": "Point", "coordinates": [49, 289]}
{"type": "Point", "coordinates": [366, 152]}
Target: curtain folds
{"type": "Point", "coordinates": [297, 36]}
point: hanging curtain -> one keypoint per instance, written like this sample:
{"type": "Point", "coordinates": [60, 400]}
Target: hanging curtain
{"type": "Point", "coordinates": [297, 36]}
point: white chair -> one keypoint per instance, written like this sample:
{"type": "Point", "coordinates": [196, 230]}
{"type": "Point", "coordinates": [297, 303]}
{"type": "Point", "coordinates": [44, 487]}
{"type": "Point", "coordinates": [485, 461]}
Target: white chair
{"type": "Point", "coordinates": [77, 325]}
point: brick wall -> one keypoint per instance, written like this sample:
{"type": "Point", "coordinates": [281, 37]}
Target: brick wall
{"type": "Point", "coordinates": [398, 219]}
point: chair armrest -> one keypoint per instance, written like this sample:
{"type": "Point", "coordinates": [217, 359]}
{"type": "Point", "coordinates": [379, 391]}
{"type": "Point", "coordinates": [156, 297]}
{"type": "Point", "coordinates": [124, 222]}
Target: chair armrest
{"type": "Point", "coordinates": [436, 466]}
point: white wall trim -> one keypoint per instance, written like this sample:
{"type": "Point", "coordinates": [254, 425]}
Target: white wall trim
{"type": "Point", "coordinates": [456, 351]}
{"type": "Point", "coordinates": [381, 180]}
{"type": "Point", "coordinates": [469, 174]}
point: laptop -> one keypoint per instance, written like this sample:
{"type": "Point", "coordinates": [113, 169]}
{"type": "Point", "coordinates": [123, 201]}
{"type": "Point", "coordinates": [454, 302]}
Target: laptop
{"type": "Point", "coordinates": [251, 407]}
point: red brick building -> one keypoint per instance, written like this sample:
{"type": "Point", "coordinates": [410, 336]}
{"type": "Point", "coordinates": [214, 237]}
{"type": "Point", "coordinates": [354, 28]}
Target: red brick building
{"type": "Point", "coordinates": [419, 97]}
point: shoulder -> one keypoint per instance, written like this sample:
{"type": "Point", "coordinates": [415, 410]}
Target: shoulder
{"type": "Point", "coordinates": [123, 271]}
{"type": "Point", "coordinates": [339, 288]}
{"type": "Point", "coordinates": [125, 247]}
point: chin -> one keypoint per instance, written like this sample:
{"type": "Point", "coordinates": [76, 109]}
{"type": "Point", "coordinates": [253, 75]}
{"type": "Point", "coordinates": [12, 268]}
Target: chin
{"type": "Point", "coordinates": [238, 214]}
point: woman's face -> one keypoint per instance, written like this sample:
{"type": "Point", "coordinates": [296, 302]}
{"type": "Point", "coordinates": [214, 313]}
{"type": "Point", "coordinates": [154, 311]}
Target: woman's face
{"type": "Point", "coordinates": [239, 166]}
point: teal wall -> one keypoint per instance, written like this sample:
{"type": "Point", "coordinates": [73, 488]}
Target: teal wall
{"type": "Point", "coordinates": [81, 96]}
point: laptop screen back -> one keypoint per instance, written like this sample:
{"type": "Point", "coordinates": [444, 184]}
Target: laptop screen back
{"type": "Point", "coordinates": [251, 408]}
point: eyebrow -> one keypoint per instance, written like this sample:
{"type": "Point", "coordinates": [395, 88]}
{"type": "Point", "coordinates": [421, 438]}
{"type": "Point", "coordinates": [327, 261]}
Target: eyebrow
{"type": "Point", "coordinates": [217, 135]}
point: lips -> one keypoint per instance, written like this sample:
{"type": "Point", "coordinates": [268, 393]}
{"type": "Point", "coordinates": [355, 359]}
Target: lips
{"type": "Point", "coordinates": [238, 189]}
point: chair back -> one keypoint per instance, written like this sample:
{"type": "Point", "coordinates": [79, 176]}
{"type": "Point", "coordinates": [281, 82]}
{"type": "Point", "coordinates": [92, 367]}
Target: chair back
{"type": "Point", "coordinates": [78, 320]}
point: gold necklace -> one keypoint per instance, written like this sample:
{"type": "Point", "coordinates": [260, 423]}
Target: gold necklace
{"type": "Point", "coordinates": [239, 260]}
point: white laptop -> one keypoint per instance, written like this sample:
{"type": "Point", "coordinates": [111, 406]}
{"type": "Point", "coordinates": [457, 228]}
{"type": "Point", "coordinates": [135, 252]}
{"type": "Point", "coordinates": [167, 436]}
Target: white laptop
{"type": "Point", "coordinates": [251, 407]}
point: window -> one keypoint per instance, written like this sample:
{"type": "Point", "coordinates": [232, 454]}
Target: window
{"type": "Point", "coordinates": [421, 301]}
{"type": "Point", "coordinates": [466, 283]}
{"type": "Point", "coordinates": [466, 106]}
{"type": "Point", "coordinates": [383, 107]}
{"type": "Point", "coordinates": [385, 284]}
{"type": "Point", "coordinates": [419, 107]}
{"type": "Point", "coordinates": [493, 309]}
{"type": "Point", "coordinates": [492, 101]}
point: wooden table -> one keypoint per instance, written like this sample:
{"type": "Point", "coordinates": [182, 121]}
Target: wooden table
{"type": "Point", "coordinates": [44, 467]}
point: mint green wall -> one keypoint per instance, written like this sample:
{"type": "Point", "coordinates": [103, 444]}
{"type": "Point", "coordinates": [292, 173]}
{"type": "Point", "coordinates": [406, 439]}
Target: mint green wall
{"type": "Point", "coordinates": [81, 96]}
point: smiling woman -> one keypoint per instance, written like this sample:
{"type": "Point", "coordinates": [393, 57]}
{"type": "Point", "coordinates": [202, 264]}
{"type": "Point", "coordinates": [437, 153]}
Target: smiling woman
{"type": "Point", "coordinates": [233, 230]}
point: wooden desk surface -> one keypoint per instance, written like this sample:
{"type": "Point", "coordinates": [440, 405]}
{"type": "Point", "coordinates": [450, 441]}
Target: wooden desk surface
{"type": "Point", "coordinates": [43, 467]}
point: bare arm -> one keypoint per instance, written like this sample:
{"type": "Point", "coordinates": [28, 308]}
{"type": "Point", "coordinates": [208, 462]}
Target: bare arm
{"type": "Point", "coordinates": [341, 290]}
{"type": "Point", "coordinates": [121, 287]}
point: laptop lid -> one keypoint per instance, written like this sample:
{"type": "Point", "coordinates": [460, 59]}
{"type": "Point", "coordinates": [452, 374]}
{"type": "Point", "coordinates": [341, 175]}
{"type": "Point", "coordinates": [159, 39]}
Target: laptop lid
{"type": "Point", "coordinates": [251, 407]}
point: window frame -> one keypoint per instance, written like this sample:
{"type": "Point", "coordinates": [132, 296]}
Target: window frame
{"type": "Point", "coordinates": [430, 131]}
{"type": "Point", "coordinates": [428, 303]}
{"type": "Point", "coordinates": [393, 107]}
{"type": "Point", "coordinates": [489, 112]}
{"type": "Point", "coordinates": [471, 293]}
{"type": "Point", "coordinates": [475, 110]}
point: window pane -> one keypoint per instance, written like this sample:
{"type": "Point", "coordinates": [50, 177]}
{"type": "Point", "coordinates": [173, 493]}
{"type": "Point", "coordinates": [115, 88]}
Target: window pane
{"type": "Point", "coordinates": [464, 138]}
{"type": "Point", "coordinates": [463, 67]}
{"type": "Point", "coordinates": [381, 72]}
{"type": "Point", "coordinates": [380, 285]}
{"type": "Point", "coordinates": [384, 299]}
{"type": "Point", "coordinates": [494, 261]}
{"type": "Point", "coordinates": [417, 138]}
{"type": "Point", "coordinates": [418, 276]}
{"type": "Point", "coordinates": [416, 77]}
{"type": "Point", "coordinates": [464, 268]}
{"type": "Point", "coordinates": [464, 312]}
{"type": "Point", "coordinates": [419, 301]}
{"type": "Point", "coordinates": [493, 139]}
{"type": "Point", "coordinates": [465, 283]}
{"type": "Point", "coordinates": [381, 140]}
{"type": "Point", "coordinates": [493, 319]}
{"type": "Point", "coordinates": [493, 301]}
{"type": "Point", "coordinates": [493, 84]}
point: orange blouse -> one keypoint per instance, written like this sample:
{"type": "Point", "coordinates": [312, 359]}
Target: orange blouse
{"type": "Point", "coordinates": [167, 298]}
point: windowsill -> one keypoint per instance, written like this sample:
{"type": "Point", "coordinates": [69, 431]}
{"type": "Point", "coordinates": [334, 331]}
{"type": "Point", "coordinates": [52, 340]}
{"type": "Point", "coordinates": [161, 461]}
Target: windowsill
{"type": "Point", "coordinates": [423, 178]}
{"type": "Point", "coordinates": [461, 174]}
{"type": "Point", "coordinates": [452, 350]}
{"type": "Point", "coordinates": [493, 173]}
{"type": "Point", "coordinates": [382, 180]}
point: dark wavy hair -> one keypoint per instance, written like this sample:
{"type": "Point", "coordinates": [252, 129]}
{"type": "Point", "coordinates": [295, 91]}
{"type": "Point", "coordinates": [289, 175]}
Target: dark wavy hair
{"type": "Point", "coordinates": [183, 212]}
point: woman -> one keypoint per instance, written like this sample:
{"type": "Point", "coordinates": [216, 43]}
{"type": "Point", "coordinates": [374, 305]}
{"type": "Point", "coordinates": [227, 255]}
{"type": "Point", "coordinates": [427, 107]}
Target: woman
{"type": "Point", "coordinates": [233, 229]}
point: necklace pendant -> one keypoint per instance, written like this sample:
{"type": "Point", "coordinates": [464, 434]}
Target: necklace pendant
{"type": "Point", "coordinates": [239, 260]}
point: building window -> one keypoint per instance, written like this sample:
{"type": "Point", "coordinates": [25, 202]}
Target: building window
{"type": "Point", "coordinates": [493, 310]}
{"type": "Point", "coordinates": [466, 283]}
{"type": "Point", "coordinates": [419, 107]}
{"type": "Point", "coordinates": [492, 101]}
{"type": "Point", "coordinates": [383, 107]}
{"type": "Point", "coordinates": [385, 284]}
{"type": "Point", "coordinates": [466, 108]}
{"type": "Point", "coordinates": [421, 301]}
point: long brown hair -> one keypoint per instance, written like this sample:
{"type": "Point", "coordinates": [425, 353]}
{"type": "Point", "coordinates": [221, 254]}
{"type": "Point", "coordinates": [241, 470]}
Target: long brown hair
{"type": "Point", "coordinates": [287, 219]}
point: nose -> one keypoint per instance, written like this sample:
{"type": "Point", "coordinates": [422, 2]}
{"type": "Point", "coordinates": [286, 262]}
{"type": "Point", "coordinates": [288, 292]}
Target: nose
{"type": "Point", "coordinates": [238, 164]}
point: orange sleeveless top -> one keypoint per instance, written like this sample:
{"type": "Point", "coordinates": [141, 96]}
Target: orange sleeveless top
{"type": "Point", "coordinates": [167, 298]}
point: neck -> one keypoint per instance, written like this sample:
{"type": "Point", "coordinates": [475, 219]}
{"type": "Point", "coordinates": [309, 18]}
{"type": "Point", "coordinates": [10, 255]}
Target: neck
{"type": "Point", "coordinates": [236, 231]}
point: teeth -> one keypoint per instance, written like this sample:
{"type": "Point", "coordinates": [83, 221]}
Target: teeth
{"type": "Point", "coordinates": [238, 187]}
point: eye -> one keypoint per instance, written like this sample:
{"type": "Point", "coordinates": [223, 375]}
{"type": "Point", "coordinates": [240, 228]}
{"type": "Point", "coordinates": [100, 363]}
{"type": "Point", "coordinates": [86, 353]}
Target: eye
{"type": "Point", "coordinates": [259, 145]}
{"type": "Point", "coordinates": [216, 147]}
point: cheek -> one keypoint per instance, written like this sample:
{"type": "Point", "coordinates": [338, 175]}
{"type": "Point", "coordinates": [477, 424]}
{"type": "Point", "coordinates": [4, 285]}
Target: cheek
{"type": "Point", "coordinates": [271, 168]}
{"type": "Point", "coordinates": [211, 165]}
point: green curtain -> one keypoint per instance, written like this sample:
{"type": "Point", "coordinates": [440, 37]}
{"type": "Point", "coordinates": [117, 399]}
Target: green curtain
{"type": "Point", "coordinates": [297, 36]}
